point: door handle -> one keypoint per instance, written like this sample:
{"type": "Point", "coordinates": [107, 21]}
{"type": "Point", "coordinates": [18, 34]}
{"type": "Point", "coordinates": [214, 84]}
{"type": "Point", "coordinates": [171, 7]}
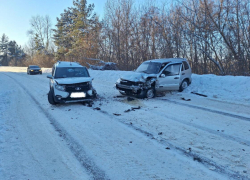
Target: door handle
{"type": "Point", "coordinates": [176, 78]}
{"type": "Point", "coordinates": [183, 73]}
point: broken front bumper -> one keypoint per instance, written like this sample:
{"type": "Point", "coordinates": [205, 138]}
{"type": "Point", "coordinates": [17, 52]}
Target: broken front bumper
{"type": "Point", "coordinates": [135, 91]}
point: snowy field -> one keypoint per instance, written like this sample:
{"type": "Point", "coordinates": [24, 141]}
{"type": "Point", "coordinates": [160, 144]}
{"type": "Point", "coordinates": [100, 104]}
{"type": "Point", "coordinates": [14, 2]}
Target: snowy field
{"type": "Point", "coordinates": [167, 138]}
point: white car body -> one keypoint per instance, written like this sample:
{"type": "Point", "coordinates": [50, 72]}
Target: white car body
{"type": "Point", "coordinates": [70, 82]}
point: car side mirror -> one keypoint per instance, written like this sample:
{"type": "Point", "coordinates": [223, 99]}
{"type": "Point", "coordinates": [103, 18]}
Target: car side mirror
{"type": "Point", "coordinates": [162, 75]}
{"type": "Point", "coordinates": [49, 76]}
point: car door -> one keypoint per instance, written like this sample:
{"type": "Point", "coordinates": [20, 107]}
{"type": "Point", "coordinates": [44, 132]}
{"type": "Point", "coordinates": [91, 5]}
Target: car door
{"type": "Point", "coordinates": [170, 78]}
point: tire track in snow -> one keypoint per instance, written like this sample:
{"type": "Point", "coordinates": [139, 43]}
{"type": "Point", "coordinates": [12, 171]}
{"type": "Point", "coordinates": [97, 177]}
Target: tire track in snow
{"type": "Point", "coordinates": [194, 156]}
{"type": "Point", "coordinates": [225, 136]}
{"type": "Point", "coordinates": [74, 146]}
{"type": "Point", "coordinates": [208, 110]}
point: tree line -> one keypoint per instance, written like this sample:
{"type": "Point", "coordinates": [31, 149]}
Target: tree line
{"type": "Point", "coordinates": [10, 52]}
{"type": "Point", "coordinates": [214, 35]}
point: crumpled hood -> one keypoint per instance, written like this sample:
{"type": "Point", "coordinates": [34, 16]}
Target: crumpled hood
{"type": "Point", "coordinates": [137, 76]}
{"type": "Point", "coordinates": [73, 80]}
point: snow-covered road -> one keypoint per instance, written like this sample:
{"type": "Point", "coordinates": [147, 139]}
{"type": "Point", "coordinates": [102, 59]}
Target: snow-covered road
{"type": "Point", "coordinates": [167, 138]}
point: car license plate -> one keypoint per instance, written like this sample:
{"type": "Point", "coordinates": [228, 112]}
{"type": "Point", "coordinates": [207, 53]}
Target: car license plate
{"type": "Point", "coordinates": [78, 95]}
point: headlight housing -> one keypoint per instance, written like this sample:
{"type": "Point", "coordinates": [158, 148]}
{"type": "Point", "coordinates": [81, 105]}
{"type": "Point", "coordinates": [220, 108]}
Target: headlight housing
{"type": "Point", "coordinates": [90, 84]}
{"type": "Point", "coordinates": [60, 87]}
{"type": "Point", "coordinates": [118, 81]}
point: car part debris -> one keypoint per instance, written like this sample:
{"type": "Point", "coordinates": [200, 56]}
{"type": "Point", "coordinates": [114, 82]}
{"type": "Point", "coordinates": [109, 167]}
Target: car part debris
{"type": "Point", "coordinates": [185, 99]}
{"type": "Point", "coordinates": [199, 94]}
{"type": "Point", "coordinates": [132, 109]}
{"type": "Point", "coordinates": [97, 108]}
{"type": "Point", "coordinates": [116, 114]}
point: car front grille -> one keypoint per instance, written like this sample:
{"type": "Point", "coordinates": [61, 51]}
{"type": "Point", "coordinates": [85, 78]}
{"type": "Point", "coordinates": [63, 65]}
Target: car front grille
{"type": "Point", "coordinates": [129, 83]}
{"type": "Point", "coordinates": [77, 87]}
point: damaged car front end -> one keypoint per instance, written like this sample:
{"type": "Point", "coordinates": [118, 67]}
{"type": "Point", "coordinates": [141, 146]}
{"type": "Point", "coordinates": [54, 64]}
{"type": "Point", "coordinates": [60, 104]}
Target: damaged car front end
{"type": "Point", "coordinates": [138, 89]}
{"type": "Point", "coordinates": [141, 83]}
{"type": "Point", "coordinates": [157, 75]}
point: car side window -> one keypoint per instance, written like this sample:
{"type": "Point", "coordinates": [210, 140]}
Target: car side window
{"type": "Point", "coordinates": [172, 70]}
{"type": "Point", "coordinates": [182, 67]}
{"type": "Point", "coordinates": [186, 65]}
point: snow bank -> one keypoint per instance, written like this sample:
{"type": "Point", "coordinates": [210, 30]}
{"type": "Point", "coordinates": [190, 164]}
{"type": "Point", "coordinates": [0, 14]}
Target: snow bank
{"type": "Point", "coordinates": [230, 88]}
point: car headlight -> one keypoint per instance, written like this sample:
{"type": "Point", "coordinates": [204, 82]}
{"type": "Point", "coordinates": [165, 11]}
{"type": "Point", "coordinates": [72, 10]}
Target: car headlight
{"type": "Point", "coordinates": [59, 87]}
{"type": "Point", "coordinates": [118, 81]}
{"type": "Point", "coordinates": [31, 70]}
{"type": "Point", "coordinates": [90, 84]}
{"type": "Point", "coordinates": [40, 70]}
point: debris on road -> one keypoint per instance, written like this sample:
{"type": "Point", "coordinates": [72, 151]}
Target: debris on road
{"type": "Point", "coordinates": [199, 94]}
{"type": "Point", "coordinates": [127, 110]}
{"type": "Point", "coordinates": [185, 99]}
{"type": "Point", "coordinates": [133, 109]}
{"type": "Point", "coordinates": [116, 114]}
{"type": "Point", "coordinates": [97, 108]}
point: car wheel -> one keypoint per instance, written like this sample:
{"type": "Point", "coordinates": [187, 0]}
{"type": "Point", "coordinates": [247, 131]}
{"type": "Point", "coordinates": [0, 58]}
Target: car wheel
{"type": "Point", "coordinates": [95, 94]}
{"type": "Point", "coordinates": [150, 93]}
{"type": "Point", "coordinates": [183, 85]}
{"type": "Point", "coordinates": [51, 97]}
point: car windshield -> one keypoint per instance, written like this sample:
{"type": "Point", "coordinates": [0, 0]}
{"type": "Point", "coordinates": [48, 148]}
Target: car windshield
{"type": "Point", "coordinates": [34, 67]}
{"type": "Point", "coordinates": [149, 67]}
{"type": "Point", "coordinates": [66, 72]}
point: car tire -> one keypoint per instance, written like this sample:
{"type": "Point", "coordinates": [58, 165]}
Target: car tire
{"type": "Point", "coordinates": [184, 85]}
{"type": "Point", "coordinates": [51, 97]}
{"type": "Point", "coordinates": [150, 93]}
{"type": "Point", "coordinates": [95, 95]}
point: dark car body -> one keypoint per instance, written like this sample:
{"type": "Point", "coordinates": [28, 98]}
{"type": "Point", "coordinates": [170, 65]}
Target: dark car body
{"type": "Point", "coordinates": [34, 69]}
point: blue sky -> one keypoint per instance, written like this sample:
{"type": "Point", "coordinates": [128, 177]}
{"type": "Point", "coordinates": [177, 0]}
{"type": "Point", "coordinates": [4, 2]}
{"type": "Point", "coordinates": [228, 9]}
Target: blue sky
{"type": "Point", "coordinates": [16, 14]}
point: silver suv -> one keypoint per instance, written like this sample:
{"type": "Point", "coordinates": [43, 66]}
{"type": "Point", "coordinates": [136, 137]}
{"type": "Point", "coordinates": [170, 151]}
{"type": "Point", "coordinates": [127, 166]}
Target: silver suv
{"type": "Point", "coordinates": [156, 75]}
{"type": "Point", "coordinates": [70, 82]}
